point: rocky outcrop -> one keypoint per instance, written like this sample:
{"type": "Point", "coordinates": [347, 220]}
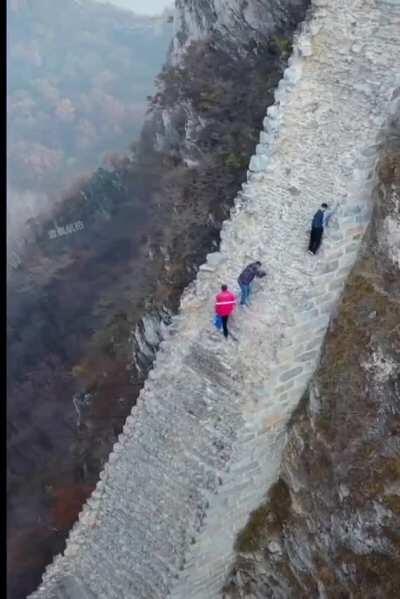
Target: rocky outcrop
{"type": "Point", "coordinates": [204, 443]}
{"type": "Point", "coordinates": [220, 50]}
{"type": "Point", "coordinates": [234, 20]}
{"type": "Point", "coordinates": [90, 301]}
{"type": "Point", "coordinates": [330, 527]}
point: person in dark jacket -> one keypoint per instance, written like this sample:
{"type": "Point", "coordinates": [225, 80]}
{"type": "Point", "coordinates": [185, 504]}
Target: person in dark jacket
{"type": "Point", "coordinates": [245, 279]}
{"type": "Point", "coordinates": [319, 221]}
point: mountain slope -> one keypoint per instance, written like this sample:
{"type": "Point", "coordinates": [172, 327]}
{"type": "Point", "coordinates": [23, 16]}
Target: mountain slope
{"type": "Point", "coordinates": [77, 82]}
{"type": "Point", "coordinates": [90, 299]}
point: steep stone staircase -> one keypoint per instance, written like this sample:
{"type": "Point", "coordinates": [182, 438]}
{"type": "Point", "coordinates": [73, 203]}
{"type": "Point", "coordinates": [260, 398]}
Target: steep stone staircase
{"type": "Point", "coordinates": [203, 444]}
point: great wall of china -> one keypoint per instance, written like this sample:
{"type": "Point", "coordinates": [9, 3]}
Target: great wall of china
{"type": "Point", "coordinates": [203, 445]}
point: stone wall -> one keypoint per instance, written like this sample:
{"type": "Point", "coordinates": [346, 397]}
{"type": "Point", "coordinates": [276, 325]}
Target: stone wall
{"type": "Point", "coordinates": [330, 527]}
{"type": "Point", "coordinates": [191, 463]}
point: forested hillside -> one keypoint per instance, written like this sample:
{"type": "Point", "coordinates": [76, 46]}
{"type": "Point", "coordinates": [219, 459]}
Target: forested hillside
{"type": "Point", "coordinates": [78, 74]}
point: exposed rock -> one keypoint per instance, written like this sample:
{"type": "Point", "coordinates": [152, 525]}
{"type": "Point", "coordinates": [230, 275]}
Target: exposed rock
{"type": "Point", "coordinates": [90, 303]}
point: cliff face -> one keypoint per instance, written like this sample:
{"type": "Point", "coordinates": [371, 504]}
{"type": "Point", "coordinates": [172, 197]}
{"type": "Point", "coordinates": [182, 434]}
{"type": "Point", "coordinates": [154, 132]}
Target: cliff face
{"type": "Point", "coordinates": [91, 302]}
{"type": "Point", "coordinates": [224, 56]}
{"type": "Point", "coordinates": [237, 19]}
{"type": "Point", "coordinates": [330, 527]}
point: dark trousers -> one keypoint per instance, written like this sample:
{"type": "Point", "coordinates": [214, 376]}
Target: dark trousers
{"type": "Point", "coordinates": [315, 240]}
{"type": "Point", "coordinates": [225, 325]}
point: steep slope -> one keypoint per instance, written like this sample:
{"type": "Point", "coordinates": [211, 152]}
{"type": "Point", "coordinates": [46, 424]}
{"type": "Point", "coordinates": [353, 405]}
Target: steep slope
{"type": "Point", "coordinates": [93, 286]}
{"type": "Point", "coordinates": [331, 526]}
{"type": "Point", "coordinates": [204, 442]}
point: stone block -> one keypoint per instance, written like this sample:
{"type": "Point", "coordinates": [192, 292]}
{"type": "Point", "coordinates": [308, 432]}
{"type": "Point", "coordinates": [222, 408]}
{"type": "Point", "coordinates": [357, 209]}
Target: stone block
{"type": "Point", "coordinates": [258, 163]}
{"type": "Point", "coordinates": [285, 355]}
{"type": "Point", "coordinates": [262, 149]}
{"type": "Point", "coordinates": [215, 259]}
{"type": "Point", "coordinates": [290, 374]}
{"type": "Point", "coordinates": [352, 247]}
{"type": "Point", "coordinates": [286, 342]}
{"type": "Point", "coordinates": [302, 333]}
{"type": "Point", "coordinates": [315, 342]}
{"type": "Point", "coordinates": [310, 355]}
{"type": "Point", "coordinates": [282, 388]}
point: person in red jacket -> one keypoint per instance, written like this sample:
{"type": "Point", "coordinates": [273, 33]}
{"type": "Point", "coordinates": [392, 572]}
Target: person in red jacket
{"type": "Point", "coordinates": [225, 303]}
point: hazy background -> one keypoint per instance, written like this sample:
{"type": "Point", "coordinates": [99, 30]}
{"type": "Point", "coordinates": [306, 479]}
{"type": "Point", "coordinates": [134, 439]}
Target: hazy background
{"type": "Point", "coordinates": [79, 74]}
{"type": "Point", "coordinates": [142, 6]}
{"type": "Point", "coordinates": [78, 78]}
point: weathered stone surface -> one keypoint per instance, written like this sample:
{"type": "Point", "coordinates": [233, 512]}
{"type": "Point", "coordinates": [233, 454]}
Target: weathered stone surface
{"type": "Point", "coordinates": [335, 512]}
{"type": "Point", "coordinates": [161, 526]}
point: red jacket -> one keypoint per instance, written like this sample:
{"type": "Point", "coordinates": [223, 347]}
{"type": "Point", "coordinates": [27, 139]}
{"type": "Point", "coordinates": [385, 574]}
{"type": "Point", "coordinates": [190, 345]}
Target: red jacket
{"type": "Point", "coordinates": [225, 303]}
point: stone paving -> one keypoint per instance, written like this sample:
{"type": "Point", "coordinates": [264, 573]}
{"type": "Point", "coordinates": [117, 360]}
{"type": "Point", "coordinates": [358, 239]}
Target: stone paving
{"type": "Point", "coordinates": [203, 445]}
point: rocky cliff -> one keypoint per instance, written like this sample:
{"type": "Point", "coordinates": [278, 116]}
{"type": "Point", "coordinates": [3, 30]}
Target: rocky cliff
{"type": "Point", "coordinates": [204, 444]}
{"type": "Point", "coordinates": [94, 286]}
{"type": "Point", "coordinates": [331, 525]}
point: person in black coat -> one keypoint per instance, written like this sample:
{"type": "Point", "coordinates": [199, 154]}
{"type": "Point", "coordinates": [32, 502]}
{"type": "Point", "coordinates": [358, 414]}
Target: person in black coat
{"type": "Point", "coordinates": [319, 222]}
{"type": "Point", "coordinates": [245, 279]}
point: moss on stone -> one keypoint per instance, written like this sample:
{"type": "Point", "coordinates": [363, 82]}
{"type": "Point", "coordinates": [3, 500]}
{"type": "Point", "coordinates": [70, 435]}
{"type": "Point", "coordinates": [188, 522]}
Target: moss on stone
{"type": "Point", "coordinates": [392, 502]}
{"type": "Point", "coordinates": [283, 45]}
